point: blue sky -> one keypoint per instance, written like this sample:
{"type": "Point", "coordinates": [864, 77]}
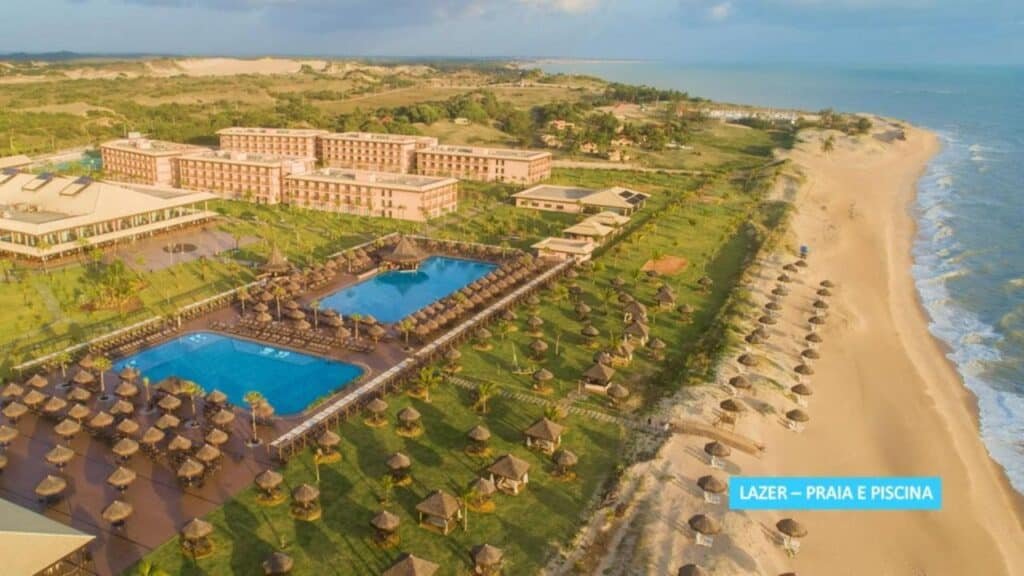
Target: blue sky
{"type": "Point", "coordinates": [843, 31]}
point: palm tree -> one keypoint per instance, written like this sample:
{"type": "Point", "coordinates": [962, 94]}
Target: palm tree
{"type": "Point", "coordinates": [278, 292]}
{"type": "Point", "coordinates": [484, 392]}
{"type": "Point", "coordinates": [356, 318]}
{"type": "Point", "coordinates": [315, 305]}
{"type": "Point", "coordinates": [62, 360]}
{"type": "Point", "coordinates": [427, 378]}
{"type": "Point", "coordinates": [243, 297]}
{"type": "Point", "coordinates": [102, 365]}
{"type": "Point", "coordinates": [145, 383]}
{"type": "Point", "coordinates": [191, 389]}
{"type": "Point", "coordinates": [254, 399]}
{"type": "Point", "coordinates": [43, 246]}
{"type": "Point", "coordinates": [465, 495]}
{"type": "Point", "coordinates": [387, 487]}
{"type": "Point", "coordinates": [405, 326]}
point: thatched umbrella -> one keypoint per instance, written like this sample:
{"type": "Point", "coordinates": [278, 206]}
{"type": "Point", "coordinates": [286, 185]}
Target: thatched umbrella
{"type": "Point", "coordinates": [121, 478]}
{"type": "Point", "coordinates": [122, 408]}
{"type": "Point", "coordinates": [51, 487]}
{"type": "Point", "coordinates": [802, 390]}
{"type": "Point", "coordinates": [824, 292]}
{"type": "Point", "coordinates": [486, 558]}
{"type": "Point", "coordinates": [125, 448]}
{"type": "Point", "coordinates": [152, 436]}
{"type": "Point", "coordinates": [222, 418]}
{"type": "Point", "coordinates": [773, 306]}
{"type": "Point", "coordinates": [179, 444]}
{"type": "Point", "coordinates": [67, 428]}
{"type": "Point", "coordinates": [216, 437]}
{"type": "Point", "coordinates": [618, 282]}
{"type": "Point", "coordinates": [7, 434]}
{"type": "Point", "coordinates": [79, 395]}
{"type": "Point", "coordinates": [14, 411]}
{"type": "Point", "coordinates": [810, 354]}
{"type": "Point", "coordinates": [12, 390]}
{"type": "Point", "coordinates": [208, 454]}
{"type": "Point", "coordinates": [542, 375]}
{"type": "Point", "coordinates": [813, 338]}
{"type": "Point", "coordinates": [37, 381]}
{"type": "Point", "coordinates": [789, 268]}
{"type": "Point", "coordinates": [409, 417]}
{"type": "Point", "coordinates": [618, 392]}
{"type": "Point", "coordinates": [329, 440]}
{"type": "Point", "coordinates": [126, 389]}
{"type": "Point", "coordinates": [780, 290]}
{"type": "Point", "coordinates": [716, 450]}
{"type": "Point", "coordinates": [791, 528]}
{"type": "Point", "coordinates": [264, 318]}
{"type": "Point", "coordinates": [169, 403]}
{"type": "Point", "coordinates": [216, 398]}
{"type": "Point", "coordinates": [704, 525]}
{"type": "Point", "coordinates": [399, 465]}
{"type": "Point", "coordinates": [582, 310]}
{"type": "Point", "coordinates": [190, 469]}
{"type": "Point", "coordinates": [784, 278]}
{"type": "Point", "coordinates": [565, 460]}
{"type": "Point", "coordinates": [691, 570]}
{"type": "Point", "coordinates": [100, 420]}
{"type": "Point", "coordinates": [34, 399]}
{"type": "Point", "coordinates": [54, 404]}
{"type": "Point", "coordinates": [712, 484]}
{"type": "Point", "coordinates": [167, 422]}
{"type": "Point", "coordinates": [538, 347]}
{"type": "Point", "coordinates": [385, 523]}
{"type": "Point", "coordinates": [268, 481]}
{"type": "Point", "coordinates": [305, 495]}
{"type": "Point", "coordinates": [821, 305]}
{"type": "Point", "coordinates": [590, 332]}
{"type": "Point", "coordinates": [656, 344]}
{"type": "Point", "coordinates": [409, 565]}
{"type": "Point", "coordinates": [129, 374]}
{"type": "Point", "coordinates": [804, 370]}
{"type": "Point", "coordinates": [196, 529]}
{"type": "Point", "coordinates": [534, 322]}
{"type": "Point", "coordinates": [277, 564]}
{"type": "Point", "coordinates": [797, 415]}
{"type": "Point", "coordinates": [748, 360]}
{"type": "Point", "coordinates": [479, 435]}
{"type": "Point", "coordinates": [376, 408]}
{"type": "Point", "coordinates": [83, 378]}
{"type": "Point", "coordinates": [827, 284]}
{"type": "Point", "coordinates": [768, 320]}
{"type": "Point", "coordinates": [732, 406]}
{"type": "Point", "coordinates": [78, 412]}
{"type": "Point", "coordinates": [60, 455]}
{"type": "Point", "coordinates": [602, 357]}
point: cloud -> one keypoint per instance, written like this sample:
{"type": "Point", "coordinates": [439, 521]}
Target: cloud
{"type": "Point", "coordinates": [721, 11]}
{"type": "Point", "coordinates": [567, 6]}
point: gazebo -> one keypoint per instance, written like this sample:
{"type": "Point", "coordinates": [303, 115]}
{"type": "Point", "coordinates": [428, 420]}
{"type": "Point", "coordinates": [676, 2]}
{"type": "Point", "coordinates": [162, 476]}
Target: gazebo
{"type": "Point", "coordinates": [510, 474]}
{"type": "Point", "coordinates": [306, 502]}
{"type": "Point", "coordinates": [486, 559]}
{"type": "Point", "coordinates": [544, 435]}
{"type": "Point", "coordinates": [399, 465]}
{"type": "Point", "coordinates": [405, 255]}
{"type": "Point", "coordinates": [195, 538]}
{"type": "Point", "coordinates": [598, 377]}
{"type": "Point", "coordinates": [269, 483]}
{"type": "Point", "coordinates": [439, 510]}
{"type": "Point", "coordinates": [385, 525]}
{"type": "Point", "coordinates": [276, 263]}
{"type": "Point", "coordinates": [478, 437]}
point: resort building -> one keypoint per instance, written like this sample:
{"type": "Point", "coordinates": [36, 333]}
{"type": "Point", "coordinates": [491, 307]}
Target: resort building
{"type": "Point", "coordinates": [45, 216]}
{"type": "Point", "coordinates": [381, 194]}
{"type": "Point", "coordinates": [301, 143]}
{"type": "Point", "coordinates": [372, 151]}
{"type": "Point", "coordinates": [564, 249]}
{"type": "Point", "coordinates": [144, 161]}
{"type": "Point", "coordinates": [573, 199]}
{"type": "Point", "coordinates": [240, 175]}
{"type": "Point", "coordinates": [589, 229]}
{"type": "Point", "coordinates": [33, 545]}
{"type": "Point", "coordinates": [486, 164]}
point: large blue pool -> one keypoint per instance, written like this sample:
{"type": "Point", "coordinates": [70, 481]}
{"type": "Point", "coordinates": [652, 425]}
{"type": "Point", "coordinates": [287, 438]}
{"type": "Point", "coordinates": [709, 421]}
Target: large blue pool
{"type": "Point", "coordinates": [290, 381]}
{"type": "Point", "coordinates": [393, 295]}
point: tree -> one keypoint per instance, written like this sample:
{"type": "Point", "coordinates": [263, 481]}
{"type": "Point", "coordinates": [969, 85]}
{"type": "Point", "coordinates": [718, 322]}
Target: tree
{"type": "Point", "coordinates": [243, 297]}
{"type": "Point", "coordinates": [62, 360]}
{"type": "Point", "coordinates": [387, 488]}
{"type": "Point", "coordinates": [406, 326]}
{"type": "Point", "coordinates": [102, 365]}
{"type": "Point", "coordinates": [484, 392]}
{"type": "Point", "coordinates": [465, 495]}
{"type": "Point", "coordinates": [315, 305]}
{"type": "Point", "coordinates": [191, 389]}
{"type": "Point", "coordinates": [356, 320]}
{"type": "Point", "coordinates": [427, 378]}
{"type": "Point", "coordinates": [278, 292]}
{"type": "Point", "coordinates": [254, 399]}
{"type": "Point", "coordinates": [145, 384]}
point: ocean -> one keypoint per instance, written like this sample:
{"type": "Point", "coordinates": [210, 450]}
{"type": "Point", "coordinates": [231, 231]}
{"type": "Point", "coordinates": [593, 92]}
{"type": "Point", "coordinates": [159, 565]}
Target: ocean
{"type": "Point", "coordinates": [969, 252]}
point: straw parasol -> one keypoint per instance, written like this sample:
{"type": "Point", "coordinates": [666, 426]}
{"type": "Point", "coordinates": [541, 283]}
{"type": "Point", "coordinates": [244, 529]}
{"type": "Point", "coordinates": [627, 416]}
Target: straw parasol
{"type": "Point", "coordinates": [83, 378]}
{"type": "Point", "coordinates": [122, 408]}
{"type": "Point", "coordinates": [542, 375]}
{"type": "Point", "coordinates": [36, 381]}
{"type": "Point", "coordinates": [60, 455]}
{"type": "Point", "coordinates": [408, 415]}
{"type": "Point", "coordinates": [797, 415]}
{"type": "Point", "coordinates": [126, 389]}
{"type": "Point", "coordinates": [732, 406]}
{"type": "Point", "coordinates": [33, 398]}
{"type": "Point", "coordinates": [128, 374]}
{"type": "Point", "coordinates": [398, 462]}
{"type": "Point", "coordinates": [717, 449]}
{"type": "Point", "coordinates": [810, 354]}
{"type": "Point", "coordinates": [479, 433]}
{"type": "Point", "coordinates": [121, 478]}
{"type": "Point", "coordinates": [190, 469]}
{"type": "Point", "coordinates": [305, 494]}
{"type": "Point", "coordinates": [269, 480]}
{"type": "Point", "coordinates": [692, 570]}
{"type": "Point", "coordinates": [79, 395]}
{"type": "Point", "coordinates": [538, 346]}
{"type": "Point", "coordinates": [748, 360]}
{"type": "Point", "coordinates": [768, 320]}
{"type": "Point", "coordinates": [125, 447]}
{"type": "Point", "coordinates": [590, 331]}
{"type": "Point", "coordinates": [179, 444]}
{"type": "Point", "coordinates": [12, 390]}
{"type": "Point", "coordinates": [565, 459]}
{"type": "Point", "coordinates": [196, 529]}
{"type": "Point", "coordinates": [217, 437]}
{"type": "Point", "coordinates": [14, 410]}
{"type": "Point", "coordinates": [804, 370]}
{"type": "Point", "coordinates": [740, 382]}
{"type": "Point", "coordinates": [152, 436]}
{"type": "Point", "coordinates": [704, 524]}
{"type": "Point", "coordinates": [377, 406]}
{"type": "Point", "coordinates": [208, 454]}
{"type": "Point", "coordinates": [813, 338]}
{"type": "Point", "coordinates": [216, 397]}
{"type": "Point", "coordinates": [78, 412]}
{"type": "Point", "coordinates": [117, 512]}
{"type": "Point", "coordinates": [279, 563]}
{"type": "Point", "coordinates": [802, 390]}
{"type": "Point", "coordinates": [54, 404]}
{"type": "Point", "coordinates": [486, 556]}
{"type": "Point", "coordinates": [51, 486]}
{"type": "Point", "coordinates": [821, 305]}
{"type": "Point", "coordinates": [100, 420]}
{"type": "Point", "coordinates": [222, 418]}
{"type": "Point", "coordinates": [169, 403]}
{"type": "Point", "coordinates": [7, 434]}
{"type": "Point", "coordinates": [409, 565]}
{"type": "Point", "coordinates": [824, 292]}
{"type": "Point", "coordinates": [791, 528]}
{"type": "Point", "coordinates": [67, 428]}
{"type": "Point", "coordinates": [386, 522]}
{"type": "Point", "coordinates": [167, 421]}
{"type": "Point", "coordinates": [712, 484]}
{"type": "Point", "coordinates": [816, 320]}
{"type": "Point", "coordinates": [328, 440]}
{"type": "Point", "coordinates": [827, 284]}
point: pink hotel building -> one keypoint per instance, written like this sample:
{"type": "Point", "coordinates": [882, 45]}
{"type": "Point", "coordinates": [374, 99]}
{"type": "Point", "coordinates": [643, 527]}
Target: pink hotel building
{"type": "Point", "coordinates": [240, 175]}
{"type": "Point", "coordinates": [381, 194]}
{"type": "Point", "coordinates": [371, 151]}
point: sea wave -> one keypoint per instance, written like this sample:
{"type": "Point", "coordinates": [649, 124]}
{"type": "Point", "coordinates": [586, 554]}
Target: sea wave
{"type": "Point", "coordinates": [974, 345]}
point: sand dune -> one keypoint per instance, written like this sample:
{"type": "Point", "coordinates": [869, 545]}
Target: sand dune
{"type": "Point", "coordinates": [886, 401]}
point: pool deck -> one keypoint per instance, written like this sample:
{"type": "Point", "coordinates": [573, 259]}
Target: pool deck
{"type": "Point", "coordinates": [162, 506]}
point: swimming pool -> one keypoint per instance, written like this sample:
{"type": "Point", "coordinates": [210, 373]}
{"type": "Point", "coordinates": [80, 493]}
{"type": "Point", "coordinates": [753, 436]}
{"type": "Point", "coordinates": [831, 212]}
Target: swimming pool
{"type": "Point", "coordinates": [290, 381]}
{"type": "Point", "coordinates": [393, 295]}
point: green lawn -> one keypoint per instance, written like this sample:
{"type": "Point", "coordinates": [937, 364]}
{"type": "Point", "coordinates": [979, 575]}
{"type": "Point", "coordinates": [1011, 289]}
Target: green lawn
{"type": "Point", "coordinates": [528, 527]}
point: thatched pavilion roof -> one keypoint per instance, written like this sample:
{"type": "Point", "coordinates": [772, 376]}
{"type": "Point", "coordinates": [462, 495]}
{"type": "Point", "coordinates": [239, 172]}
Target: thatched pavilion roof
{"type": "Point", "coordinates": [409, 565]}
{"type": "Point", "coordinates": [405, 252]}
{"type": "Point", "coordinates": [545, 429]}
{"type": "Point", "coordinates": [439, 504]}
{"type": "Point", "coordinates": [509, 466]}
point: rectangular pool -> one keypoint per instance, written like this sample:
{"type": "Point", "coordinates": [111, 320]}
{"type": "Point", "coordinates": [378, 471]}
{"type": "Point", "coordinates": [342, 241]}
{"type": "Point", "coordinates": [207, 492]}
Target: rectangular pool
{"type": "Point", "coordinates": [290, 381]}
{"type": "Point", "coordinates": [393, 295]}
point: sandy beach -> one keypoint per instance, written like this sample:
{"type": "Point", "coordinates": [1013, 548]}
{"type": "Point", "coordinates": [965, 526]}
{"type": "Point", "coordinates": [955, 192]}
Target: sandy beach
{"type": "Point", "coordinates": [886, 401]}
